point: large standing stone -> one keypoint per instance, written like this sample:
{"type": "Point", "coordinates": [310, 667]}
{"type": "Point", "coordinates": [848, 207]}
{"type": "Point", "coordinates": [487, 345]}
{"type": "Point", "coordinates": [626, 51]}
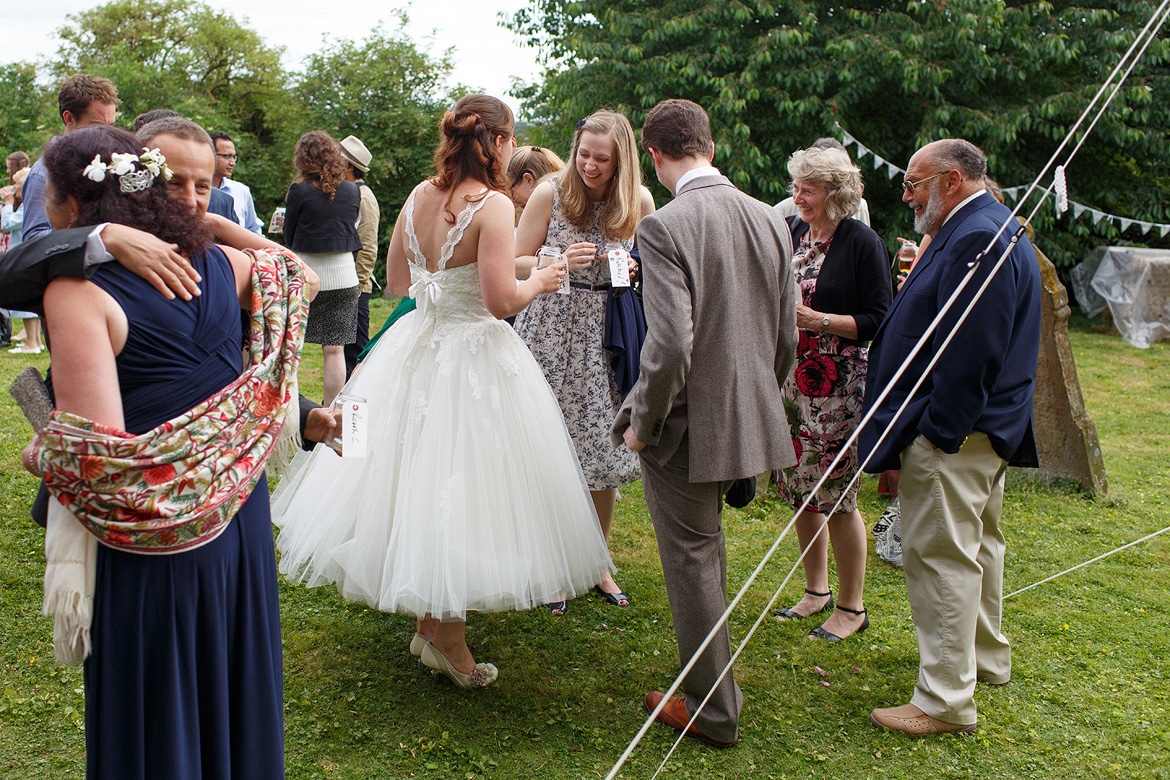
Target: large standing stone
{"type": "Point", "coordinates": [1066, 436]}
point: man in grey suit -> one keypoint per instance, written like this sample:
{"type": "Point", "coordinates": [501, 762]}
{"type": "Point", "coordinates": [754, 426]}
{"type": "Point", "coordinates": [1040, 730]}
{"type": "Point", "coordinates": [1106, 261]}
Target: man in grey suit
{"type": "Point", "coordinates": [706, 409]}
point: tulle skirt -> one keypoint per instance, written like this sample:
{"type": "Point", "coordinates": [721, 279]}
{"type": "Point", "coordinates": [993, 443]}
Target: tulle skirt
{"type": "Point", "coordinates": [470, 497]}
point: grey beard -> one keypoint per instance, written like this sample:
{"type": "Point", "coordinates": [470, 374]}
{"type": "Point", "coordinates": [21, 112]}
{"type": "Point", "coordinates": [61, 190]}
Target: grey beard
{"type": "Point", "coordinates": [930, 220]}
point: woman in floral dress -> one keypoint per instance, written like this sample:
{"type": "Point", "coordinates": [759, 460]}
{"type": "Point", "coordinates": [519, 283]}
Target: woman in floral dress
{"type": "Point", "coordinates": [842, 269]}
{"type": "Point", "coordinates": [595, 203]}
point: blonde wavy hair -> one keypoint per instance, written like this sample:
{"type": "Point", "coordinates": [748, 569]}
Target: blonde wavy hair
{"type": "Point", "coordinates": [622, 209]}
{"type": "Point", "coordinates": [833, 170]}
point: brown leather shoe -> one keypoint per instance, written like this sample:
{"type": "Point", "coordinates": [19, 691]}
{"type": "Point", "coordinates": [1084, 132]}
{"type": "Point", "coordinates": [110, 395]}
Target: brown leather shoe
{"type": "Point", "coordinates": [913, 722]}
{"type": "Point", "coordinates": [675, 715]}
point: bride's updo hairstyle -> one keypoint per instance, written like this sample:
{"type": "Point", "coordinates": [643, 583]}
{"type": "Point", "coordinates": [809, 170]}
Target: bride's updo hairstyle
{"type": "Point", "coordinates": [149, 208]}
{"type": "Point", "coordinates": [467, 149]}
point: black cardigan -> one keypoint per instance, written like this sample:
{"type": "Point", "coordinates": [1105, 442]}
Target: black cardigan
{"type": "Point", "coordinates": [314, 224]}
{"type": "Point", "coordinates": [854, 277]}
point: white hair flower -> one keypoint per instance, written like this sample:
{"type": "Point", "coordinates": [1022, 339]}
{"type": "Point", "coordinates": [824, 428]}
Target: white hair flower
{"type": "Point", "coordinates": [152, 160]}
{"type": "Point", "coordinates": [121, 164]}
{"type": "Point", "coordinates": [96, 170]}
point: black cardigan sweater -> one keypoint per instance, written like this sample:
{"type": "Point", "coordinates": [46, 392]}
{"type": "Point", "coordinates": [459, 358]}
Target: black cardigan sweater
{"type": "Point", "coordinates": [314, 224]}
{"type": "Point", "coordinates": [854, 277]}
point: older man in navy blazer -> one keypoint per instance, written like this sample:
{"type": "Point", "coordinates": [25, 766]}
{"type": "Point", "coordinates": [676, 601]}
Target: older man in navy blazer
{"type": "Point", "coordinates": [965, 424]}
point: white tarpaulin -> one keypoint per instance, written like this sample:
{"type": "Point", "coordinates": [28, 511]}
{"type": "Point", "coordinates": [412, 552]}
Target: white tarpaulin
{"type": "Point", "coordinates": [1134, 284]}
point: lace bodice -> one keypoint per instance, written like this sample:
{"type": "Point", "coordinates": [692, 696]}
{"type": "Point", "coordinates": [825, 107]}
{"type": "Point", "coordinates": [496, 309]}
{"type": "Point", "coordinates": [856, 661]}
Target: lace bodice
{"type": "Point", "coordinates": [445, 293]}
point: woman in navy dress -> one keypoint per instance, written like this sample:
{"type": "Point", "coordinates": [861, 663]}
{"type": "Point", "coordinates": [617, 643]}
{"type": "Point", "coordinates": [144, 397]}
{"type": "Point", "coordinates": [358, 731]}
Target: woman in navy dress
{"type": "Point", "coordinates": [183, 679]}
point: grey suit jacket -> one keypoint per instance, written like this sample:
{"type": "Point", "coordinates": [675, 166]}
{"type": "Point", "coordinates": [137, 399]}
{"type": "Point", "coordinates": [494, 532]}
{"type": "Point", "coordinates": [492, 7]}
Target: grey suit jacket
{"type": "Point", "coordinates": [721, 333]}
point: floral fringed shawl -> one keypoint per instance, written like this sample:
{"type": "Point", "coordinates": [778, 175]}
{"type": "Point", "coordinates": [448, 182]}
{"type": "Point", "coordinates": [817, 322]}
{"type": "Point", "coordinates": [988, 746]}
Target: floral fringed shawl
{"type": "Point", "coordinates": [176, 487]}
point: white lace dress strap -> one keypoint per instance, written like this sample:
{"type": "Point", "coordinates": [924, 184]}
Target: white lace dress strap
{"type": "Point", "coordinates": [455, 234]}
{"type": "Point", "coordinates": [415, 254]}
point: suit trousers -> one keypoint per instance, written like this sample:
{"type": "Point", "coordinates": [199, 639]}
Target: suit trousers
{"type": "Point", "coordinates": [688, 523]}
{"type": "Point", "coordinates": [355, 348]}
{"type": "Point", "coordinates": [952, 551]}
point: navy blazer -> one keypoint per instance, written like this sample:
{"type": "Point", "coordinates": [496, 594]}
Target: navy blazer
{"type": "Point", "coordinates": [983, 381]}
{"type": "Point", "coordinates": [222, 204]}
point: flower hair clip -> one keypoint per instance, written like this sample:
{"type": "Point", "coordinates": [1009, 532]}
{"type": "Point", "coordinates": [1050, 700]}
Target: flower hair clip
{"type": "Point", "coordinates": [152, 164]}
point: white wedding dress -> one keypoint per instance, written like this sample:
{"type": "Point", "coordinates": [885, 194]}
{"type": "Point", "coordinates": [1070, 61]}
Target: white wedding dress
{"type": "Point", "coordinates": [470, 497]}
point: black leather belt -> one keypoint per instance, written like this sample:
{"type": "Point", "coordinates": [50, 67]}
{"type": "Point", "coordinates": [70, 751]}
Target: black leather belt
{"type": "Point", "coordinates": [590, 287]}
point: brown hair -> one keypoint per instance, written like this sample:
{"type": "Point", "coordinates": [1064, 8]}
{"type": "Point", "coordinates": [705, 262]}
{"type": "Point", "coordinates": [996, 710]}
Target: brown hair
{"type": "Point", "coordinates": [20, 158]}
{"type": "Point", "coordinates": [623, 196]}
{"type": "Point", "coordinates": [179, 127]}
{"type": "Point", "coordinates": [319, 161]}
{"type": "Point", "coordinates": [535, 160]}
{"type": "Point", "coordinates": [467, 148]}
{"type": "Point", "coordinates": [79, 90]}
{"type": "Point", "coordinates": [150, 209]}
{"type": "Point", "coordinates": [677, 129]}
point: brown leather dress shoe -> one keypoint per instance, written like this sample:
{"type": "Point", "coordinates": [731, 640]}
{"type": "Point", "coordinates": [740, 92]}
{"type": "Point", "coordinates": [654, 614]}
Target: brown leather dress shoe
{"type": "Point", "coordinates": [675, 715]}
{"type": "Point", "coordinates": [913, 722]}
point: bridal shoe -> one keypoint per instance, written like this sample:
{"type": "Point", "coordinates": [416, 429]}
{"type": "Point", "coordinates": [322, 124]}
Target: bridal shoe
{"type": "Point", "coordinates": [481, 676]}
{"type": "Point", "coordinates": [417, 643]}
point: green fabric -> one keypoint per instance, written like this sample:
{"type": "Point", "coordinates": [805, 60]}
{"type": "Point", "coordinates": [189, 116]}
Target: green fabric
{"type": "Point", "coordinates": [405, 305]}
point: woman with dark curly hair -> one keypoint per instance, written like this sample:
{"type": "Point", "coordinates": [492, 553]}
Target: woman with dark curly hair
{"type": "Point", "coordinates": [842, 270]}
{"type": "Point", "coordinates": [320, 225]}
{"type": "Point", "coordinates": [156, 450]}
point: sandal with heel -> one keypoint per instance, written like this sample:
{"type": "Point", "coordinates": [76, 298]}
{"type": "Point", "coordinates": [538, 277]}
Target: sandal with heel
{"type": "Point", "coordinates": [792, 614]}
{"type": "Point", "coordinates": [820, 633]}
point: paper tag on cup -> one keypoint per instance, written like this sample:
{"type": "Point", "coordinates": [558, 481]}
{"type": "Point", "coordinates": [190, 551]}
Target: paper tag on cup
{"type": "Point", "coordinates": [351, 437]}
{"type": "Point", "coordinates": [354, 421]}
{"type": "Point", "coordinates": [619, 268]}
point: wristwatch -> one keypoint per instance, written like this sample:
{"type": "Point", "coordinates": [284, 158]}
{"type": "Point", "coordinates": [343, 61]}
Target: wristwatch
{"type": "Point", "coordinates": [824, 323]}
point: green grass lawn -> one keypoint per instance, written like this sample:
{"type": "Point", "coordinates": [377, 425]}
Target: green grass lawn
{"type": "Point", "coordinates": [1089, 697]}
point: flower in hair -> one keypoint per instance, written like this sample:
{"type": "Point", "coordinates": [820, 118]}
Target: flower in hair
{"type": "Point", "coordinates": [152, 164]}
{"type": "Point", "coordinates": [154, 161]}
{"type": "Point", "coordinates": [96, 170]}
{"type": "Point", "coordinates": [121, 164]}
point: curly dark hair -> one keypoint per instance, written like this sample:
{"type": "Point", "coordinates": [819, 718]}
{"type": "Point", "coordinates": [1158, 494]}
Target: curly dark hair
{"type": "Point", "coordinates": [152, 209]}
{"type": "Point", "coordinates": [319, 161]}
{"type": "Point", "coordinates": [468, 146]}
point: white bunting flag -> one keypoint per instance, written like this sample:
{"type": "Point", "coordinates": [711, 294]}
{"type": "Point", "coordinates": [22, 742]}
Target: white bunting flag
{"type": "Point", "coordinates": [1061, 187]}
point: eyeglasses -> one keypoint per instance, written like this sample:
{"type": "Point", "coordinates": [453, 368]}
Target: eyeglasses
{"type": "Point", "coordinates": [910, 186]}
{"type": "Point", "coordinates": [234, 157]}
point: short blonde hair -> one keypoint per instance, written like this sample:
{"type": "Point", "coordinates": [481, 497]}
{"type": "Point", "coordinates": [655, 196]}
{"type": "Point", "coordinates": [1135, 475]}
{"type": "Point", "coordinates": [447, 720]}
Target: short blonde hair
{"type": "Point", "coordinates": [623, 196]}
{"type": "Point", "coordinates": [833, 170]}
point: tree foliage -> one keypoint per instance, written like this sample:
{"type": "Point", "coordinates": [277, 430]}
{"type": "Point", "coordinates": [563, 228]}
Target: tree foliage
{"type": "Point", "coordinates": [183, 55]}
{"type": "Point", "coordinates": [1009, 76]}
{"type": "Point", "coordinates": [386, 91]}
{"type": "Point", "coordinates": [28, 108]}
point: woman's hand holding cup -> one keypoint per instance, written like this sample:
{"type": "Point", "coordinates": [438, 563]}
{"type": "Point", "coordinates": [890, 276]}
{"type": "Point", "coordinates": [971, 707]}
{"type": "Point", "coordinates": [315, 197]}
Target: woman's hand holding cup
{"type": "Point", "coordinates": [549, 278]}
{"type": "Point", "coordinates": [581, 255]}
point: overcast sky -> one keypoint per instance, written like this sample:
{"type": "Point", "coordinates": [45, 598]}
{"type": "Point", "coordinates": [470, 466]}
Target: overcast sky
{"type": "Point", "coordinates": [485, 54]}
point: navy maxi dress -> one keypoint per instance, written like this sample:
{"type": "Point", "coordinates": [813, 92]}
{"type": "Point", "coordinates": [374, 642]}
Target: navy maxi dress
{"type": "Point", "coordinates": [184, 681]}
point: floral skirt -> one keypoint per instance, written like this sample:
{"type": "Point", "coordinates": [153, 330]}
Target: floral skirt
{"type": "Point", "coordinates": [822, 399]}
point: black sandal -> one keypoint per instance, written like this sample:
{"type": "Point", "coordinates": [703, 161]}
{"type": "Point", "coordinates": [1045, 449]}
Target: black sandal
{"type": "Point", "coordinates": [792, 614]}
{"type": "Point", "coordinates": [558, 608]}
{"type": "Point", "coordinates": [614, 599]}
{"type": "Point", "coordinates": [820, 633]}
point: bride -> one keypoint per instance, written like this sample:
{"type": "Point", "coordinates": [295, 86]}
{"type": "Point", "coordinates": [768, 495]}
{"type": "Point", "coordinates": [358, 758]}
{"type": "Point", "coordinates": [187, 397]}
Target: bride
{"type": "Point", "coordinates": [470, 497]}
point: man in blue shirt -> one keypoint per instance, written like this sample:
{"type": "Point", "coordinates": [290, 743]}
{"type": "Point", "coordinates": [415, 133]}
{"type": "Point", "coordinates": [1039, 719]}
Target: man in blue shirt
{"type": "Point", "coordinates": [225, 163]}
{"type": "Point", "coordinates": [83, 101]}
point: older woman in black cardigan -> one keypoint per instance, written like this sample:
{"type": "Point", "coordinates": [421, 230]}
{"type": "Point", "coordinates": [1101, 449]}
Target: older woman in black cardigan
{"type": "Point", "coordinates": [842, 270]}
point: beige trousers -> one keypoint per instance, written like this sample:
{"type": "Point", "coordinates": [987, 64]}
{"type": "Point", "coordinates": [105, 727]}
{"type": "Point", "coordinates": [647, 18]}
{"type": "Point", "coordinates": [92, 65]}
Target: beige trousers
{"type": "Point", "coordinates": [953, 556]}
